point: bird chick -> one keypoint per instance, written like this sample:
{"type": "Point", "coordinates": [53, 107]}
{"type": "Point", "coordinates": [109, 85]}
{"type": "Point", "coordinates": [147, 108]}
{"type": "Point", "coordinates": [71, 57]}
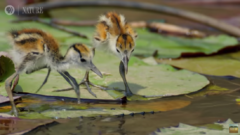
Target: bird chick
{"type": "Point", "coordinates": [34, 49]}
{"type": "Point", "coordinates": [115, 34]}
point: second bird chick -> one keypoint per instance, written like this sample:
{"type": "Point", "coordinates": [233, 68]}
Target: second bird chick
{"type": "Point", "coordinates": [34, 49]}
{"type": "Point", "coordinates": [114, 33]}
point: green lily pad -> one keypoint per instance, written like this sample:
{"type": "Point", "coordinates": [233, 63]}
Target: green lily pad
{"type": "Point", "coordinates": [220, 65]}
{"type": "Point", "coordinates": [216, 129]}
{"type": "Point", "coordinates": [6, 68]}
{"type": "Point", "coordinates": [159, 80]}
{"type": "Point", "coordinates": [173, 47]}
{"type": "Point", "coordinates": [149, 80]}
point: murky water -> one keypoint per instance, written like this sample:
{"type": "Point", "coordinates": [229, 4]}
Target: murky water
{"type": "Point", "coordinates": [200, 110]}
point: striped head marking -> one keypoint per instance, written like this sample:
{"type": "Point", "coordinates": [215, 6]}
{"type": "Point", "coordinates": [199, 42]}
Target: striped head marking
{"type": "Point", "coordinates": [81, 56]}
{"type": "Point", "coordinates": [124, 47]}
{"type": "Point", "coordinates": [83, 51]}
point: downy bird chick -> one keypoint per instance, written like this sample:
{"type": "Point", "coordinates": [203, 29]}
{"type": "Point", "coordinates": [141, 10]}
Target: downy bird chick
{"type": "Point", "coordinates": [115, 34]}
{"type": "Point", "coordinates": [34, 49]}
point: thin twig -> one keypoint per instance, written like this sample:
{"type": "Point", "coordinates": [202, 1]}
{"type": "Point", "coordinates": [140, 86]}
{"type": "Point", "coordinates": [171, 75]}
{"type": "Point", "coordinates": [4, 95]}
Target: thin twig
{"type": "Point", "coordinates": [74, 23]}
{"type": "Point", "coordinates": [138, 24]}
{"type": "Point", "coordinates": [36, 19]}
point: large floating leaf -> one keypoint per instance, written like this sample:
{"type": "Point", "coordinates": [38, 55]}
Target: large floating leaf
{"type": "Point", "coordinates": [145, 80]}
{"type": "Point", "coordinates": [184, 129]}
{"type": "Point", "coordinates": [173, 47]}
{"type": "Point", "coordinates": [149, 80]}
{"type": "Point", "coordinates": [221, 65]}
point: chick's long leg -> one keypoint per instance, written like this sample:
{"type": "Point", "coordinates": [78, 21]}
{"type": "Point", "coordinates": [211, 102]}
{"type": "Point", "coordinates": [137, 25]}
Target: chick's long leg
{"type": "Point", "coordinates": [45, 80]}
{"type": "Point", "coordinates": [72, 81]}
{"type": "Point", "coordinates": [8, 83]}
{"type": "Point", "coordinates": [87, 83]}
{"type": "Point", "coordinates": [86, 79]}
{"type": "Point", "coordinates": [123, 75]}
{"type": "Point", "coordinates": [9, 80]}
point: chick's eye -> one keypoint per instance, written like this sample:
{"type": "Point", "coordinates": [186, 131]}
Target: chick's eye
{"type": "Point", "coordinates": [83, 60]}
{"type": "Point", "coordinates": [118, 51]}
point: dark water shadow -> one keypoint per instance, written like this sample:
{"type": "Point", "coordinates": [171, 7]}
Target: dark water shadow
{"type": "Point", "coordinates": [120, 86]}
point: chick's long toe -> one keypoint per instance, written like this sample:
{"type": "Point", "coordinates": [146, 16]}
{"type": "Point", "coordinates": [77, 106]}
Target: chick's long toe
{"type": "Point", "coordinates": [85, 81]}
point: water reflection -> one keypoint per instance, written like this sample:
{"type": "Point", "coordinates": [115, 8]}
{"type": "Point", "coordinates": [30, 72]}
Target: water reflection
{"type": "Point", "coordinates": [7, 124]}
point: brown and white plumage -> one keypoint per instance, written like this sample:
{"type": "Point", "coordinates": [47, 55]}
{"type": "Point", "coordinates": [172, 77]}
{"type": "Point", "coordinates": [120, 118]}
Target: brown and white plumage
{"type": "Point", "coordinates": [114, 33]}
{"type": "Point", "coordinates": [34, 49]}
{"type": "Point", "coordinates": [46, 50]}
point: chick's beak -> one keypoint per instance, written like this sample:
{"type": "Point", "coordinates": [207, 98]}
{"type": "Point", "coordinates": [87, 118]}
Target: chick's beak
{"type": "Point", "coordinates": [95, 70]}
{"type": "Point", "coordinates": [125, 63]}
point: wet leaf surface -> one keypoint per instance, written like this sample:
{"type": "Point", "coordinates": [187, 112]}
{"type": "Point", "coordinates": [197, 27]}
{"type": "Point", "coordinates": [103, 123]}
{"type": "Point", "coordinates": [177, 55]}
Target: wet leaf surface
{"type": "Point", "coordinates": [221, 65]}
{"type": "Point", "coordinates": [173, 47]}
{"type": "Point", "coordinates": [155, 81]}
{"type": "Point", "coordinates": [158, 84]}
